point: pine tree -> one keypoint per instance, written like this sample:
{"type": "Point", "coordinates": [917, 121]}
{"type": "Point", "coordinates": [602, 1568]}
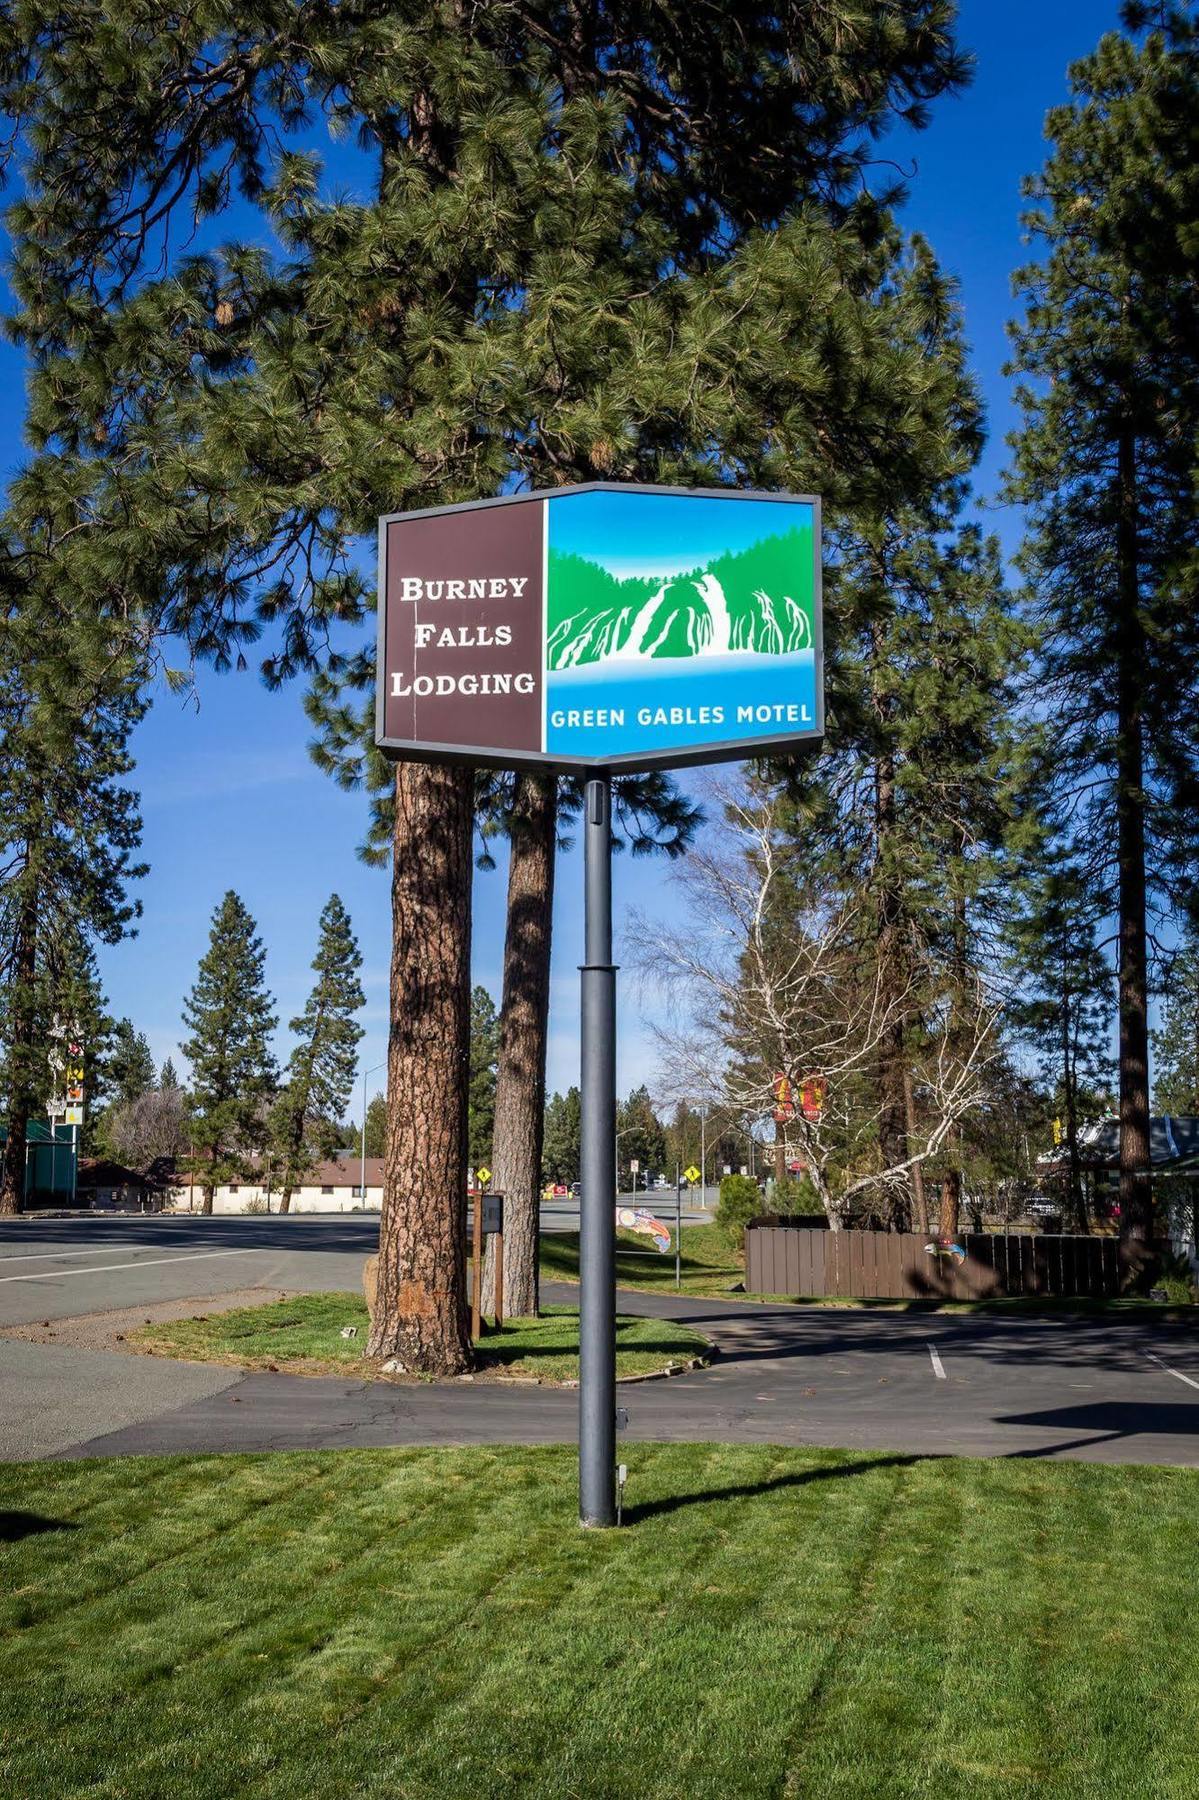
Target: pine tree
{"type": "Point", "coordinates": [484, 1052]}
{"type": "Point", "coordinates": [306, 1117]}
{"type": "Point", "coordinates": [130, 1064]}
{"type": "Point", "coordinates": [552, 279]}
{"type": "Point", "coordinates": [1065, 1002]}
{"type": "Point", "coordinates": [376, 1126]}
{"type": "Point", "coordinates": [167, 1077]}
{"type": "Point", "coordinates": [639, 1137]}
{"type": "Point", "coordinates": [918, 804]}
{"type": "Point", "coordinates": [563, 1140]}
{"type": "Point", "coordinates": [230, 1018]}
{"type": "Point", "coordinates": [1105, 465]}
{"type": "Point", "coordinates": [69, 829]}
{"type": "Point", "coordinates": [1176, 1042]}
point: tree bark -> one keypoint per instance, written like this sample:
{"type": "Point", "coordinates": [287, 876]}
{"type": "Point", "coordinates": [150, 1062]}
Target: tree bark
{"type": "Point", "coordinates": [892, 1124]}
{"type": "Point", "coordinates": [420, 1315]}
{"type": "Point", "coordinates": [20, 1049]}
{"type": "Point", "coordinates": [12, 1162]}
{"type": "Point", "coordinates": [1077, 1206]}
{"type": "Point", "coordinates": [919, 1197]}
{"type": "Point", "coordinates": [285, 1201]}
{"type": "Point", "coordinates": [518, 1133]}
{"type": "Point", "coordinates": [951, 1203]}
{"type": "Point", "coordinates": [1136, 1187]}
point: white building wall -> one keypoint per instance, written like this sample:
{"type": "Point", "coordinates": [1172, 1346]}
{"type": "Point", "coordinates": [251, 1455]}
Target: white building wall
{"type": "Point", "coordinates": [248, 1197]}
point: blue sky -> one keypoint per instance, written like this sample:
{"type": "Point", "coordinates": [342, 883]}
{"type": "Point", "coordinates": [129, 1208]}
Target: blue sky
{"type": "Point", "coordinates": [230, 798]}
{"type": "Point", "coordinates": [663, 534]}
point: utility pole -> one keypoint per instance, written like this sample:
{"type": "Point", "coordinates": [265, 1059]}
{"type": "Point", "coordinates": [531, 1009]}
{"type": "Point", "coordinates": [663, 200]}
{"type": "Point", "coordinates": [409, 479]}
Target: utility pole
{"type": "Point", "coordinates": [366, 1073]}
{"type": "Point", "coordinates": [703, 1153]}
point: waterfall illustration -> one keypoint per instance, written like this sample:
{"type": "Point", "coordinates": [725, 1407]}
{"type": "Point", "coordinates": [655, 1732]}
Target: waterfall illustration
{"type": "Point", "coordinates": [752, 602]}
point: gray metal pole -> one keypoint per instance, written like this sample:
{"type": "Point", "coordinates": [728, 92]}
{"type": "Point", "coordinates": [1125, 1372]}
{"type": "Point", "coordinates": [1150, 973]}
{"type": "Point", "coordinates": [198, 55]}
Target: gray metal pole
{"type": "Point", "coordinates": [597, 1207]}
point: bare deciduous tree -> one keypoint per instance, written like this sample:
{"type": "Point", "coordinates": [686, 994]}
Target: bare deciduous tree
{"type": "Point", "coordinates": [153, 1125]}
{"type": "Point", "coordinates": [771, 973]}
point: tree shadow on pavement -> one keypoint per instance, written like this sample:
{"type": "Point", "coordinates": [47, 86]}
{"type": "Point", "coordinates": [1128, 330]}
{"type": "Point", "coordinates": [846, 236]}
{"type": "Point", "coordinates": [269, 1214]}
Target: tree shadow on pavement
{"type": "Point", "coordinates": [669, 1503]}
{"type": "Point", "coordinates": [1108, 1422]}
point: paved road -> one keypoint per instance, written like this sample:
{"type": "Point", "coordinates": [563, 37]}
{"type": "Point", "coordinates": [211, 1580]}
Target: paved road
{"type": "Point", "coordinates": [1102, 1390]}
{"type": "Point", "coordinates": [59, 1268]}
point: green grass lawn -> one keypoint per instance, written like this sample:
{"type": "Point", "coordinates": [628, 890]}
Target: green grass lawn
{"type": "Point", "coordinates": [422, 1623]}
{"type": "Point", "coordinates": [303, 1335]}
{"type": "Point", "coordinates": [708, 1266]}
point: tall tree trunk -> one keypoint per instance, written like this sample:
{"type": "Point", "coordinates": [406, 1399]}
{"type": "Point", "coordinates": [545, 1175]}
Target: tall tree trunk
{"type": "Point", "coordinates": [919, 1197]}
{"type": "Point", "coordinates": [1077, 1206]}
{"type": "Point", "coordinates": [12, 1161]}
{"type": "Point", "coordinates": [524, 1011]}
{"type": "Point", "coordinates": [20, 1052]}
{"type": "Point", "coordinates": [892, 1122]}
{"type": "Point", "coordinates": [1136, 1188]}
{"type": "Point", "coordinates": [294, 1147]}
{"type": "Point", "coordinates": [420, 1314]}
{"type": "Point", "coordinates": [951, 1202]}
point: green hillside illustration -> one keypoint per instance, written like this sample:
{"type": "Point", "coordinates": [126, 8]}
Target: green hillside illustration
{"type": "Point", "coordinates": [757, 601]}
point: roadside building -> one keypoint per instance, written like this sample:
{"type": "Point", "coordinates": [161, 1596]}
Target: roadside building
{"type": "Point", "coordinates": [50, 1163]}
{"type": "Point", "coordinates": [111, 1187]}
{"type": "Point", "coordinates": [1174, 1165]}
{"type": "Point", "coordinates": [333, 1186]}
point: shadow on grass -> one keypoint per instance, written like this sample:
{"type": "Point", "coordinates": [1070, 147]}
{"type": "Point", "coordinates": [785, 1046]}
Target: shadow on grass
{"type": "Point", "coordinates": [17, 1525]}
{"type": "Point", "coordinates": [749, 1490]}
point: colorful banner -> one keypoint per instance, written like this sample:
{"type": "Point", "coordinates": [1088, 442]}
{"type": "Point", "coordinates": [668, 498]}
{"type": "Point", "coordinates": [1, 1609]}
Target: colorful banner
{"type": "Point", "coordinates": [635, 1218]}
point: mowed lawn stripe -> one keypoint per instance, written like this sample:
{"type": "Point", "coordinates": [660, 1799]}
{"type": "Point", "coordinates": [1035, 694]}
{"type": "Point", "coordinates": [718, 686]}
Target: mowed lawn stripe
{"type": "Point", "coordinates": [425, 1622]}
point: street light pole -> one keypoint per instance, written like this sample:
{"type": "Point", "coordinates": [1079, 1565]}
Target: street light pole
{"type": "Point", "coordinates": [703, 1152]}
{"type": "Point", "coordinates": [597, 1222]}
{"type": "Point", "coordinates": [366, 1074]}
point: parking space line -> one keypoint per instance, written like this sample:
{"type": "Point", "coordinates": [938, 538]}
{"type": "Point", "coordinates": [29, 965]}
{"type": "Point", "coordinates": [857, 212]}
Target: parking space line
{"type": "Point", "coordinates": [149, 1262]}
{"type": "Point", "coordinates": [1177, 1373]}
{"type": "Point", "coordinates": [938, 1370]}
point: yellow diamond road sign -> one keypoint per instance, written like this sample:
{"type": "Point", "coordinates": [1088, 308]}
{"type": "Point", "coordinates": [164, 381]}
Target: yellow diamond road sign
{"type": "Point", "coordinates": [692, 1174]}
{"type": "Point", "coordinates": [483, 1176]}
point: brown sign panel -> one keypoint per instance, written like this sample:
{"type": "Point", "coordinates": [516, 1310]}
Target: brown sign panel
{"type": "Point", "coordinates": [463, 633]}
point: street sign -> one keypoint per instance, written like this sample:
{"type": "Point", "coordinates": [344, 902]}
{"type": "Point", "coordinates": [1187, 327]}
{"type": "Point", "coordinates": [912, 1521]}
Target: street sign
{"type": "Point", "coordinates": [73, 1115]}
{"type": "Point", "coordinates": [603, 627]}
{"type": "Point", "coordinates": [634, 1166]}
{"type": "Point", "coordinates": [691, 1174]}
{"type": "Point", "coordinates": [482, 1176]}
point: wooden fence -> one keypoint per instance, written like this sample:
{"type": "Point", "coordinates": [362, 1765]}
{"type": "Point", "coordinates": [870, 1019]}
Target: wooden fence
{"type": "Point", "coordinates": [886, 1265]}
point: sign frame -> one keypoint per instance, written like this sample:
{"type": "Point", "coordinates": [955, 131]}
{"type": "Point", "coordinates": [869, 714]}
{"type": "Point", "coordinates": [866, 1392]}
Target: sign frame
{"type": "Point", "coordinates": [790, 742]}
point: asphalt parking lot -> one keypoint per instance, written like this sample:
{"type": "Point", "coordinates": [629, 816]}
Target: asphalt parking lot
{"type": "Point", "coordinates": [1122, 1389]}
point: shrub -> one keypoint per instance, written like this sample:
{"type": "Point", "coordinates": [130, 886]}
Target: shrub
{"type": "Point", "coordinates": [1176, 1279]}
{"type": "Point", "coordinates": [796, 1194]}
{"type": "Point", "coordinates": [740, 1200]}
